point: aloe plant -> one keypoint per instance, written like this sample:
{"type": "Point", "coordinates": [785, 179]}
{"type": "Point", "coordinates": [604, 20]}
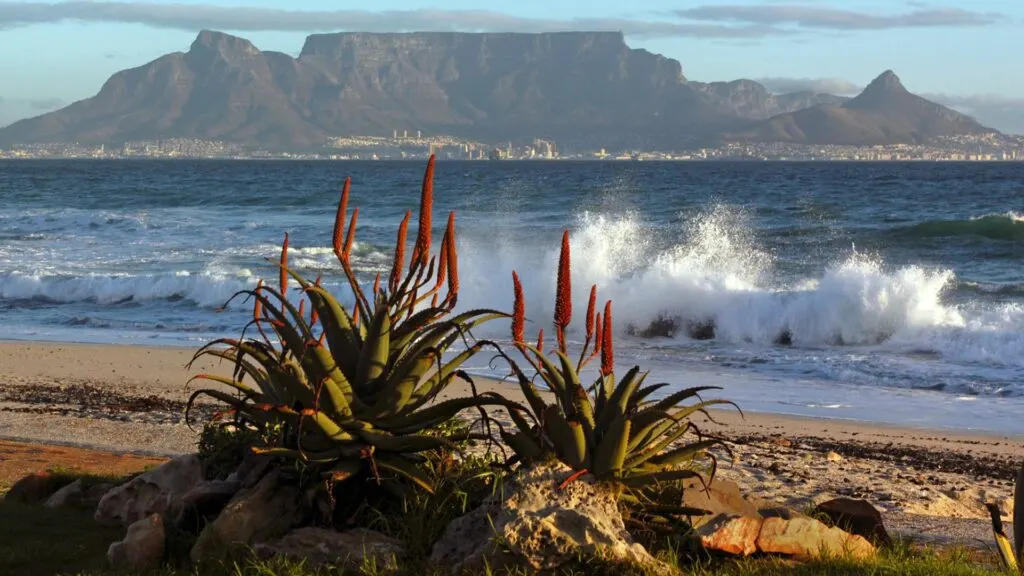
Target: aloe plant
{"type": "Point", "coordinates": [1012, 554]}
{"type": "Point", "coordinates": [614, 429]}
{"type": "Point", "coordinates": [344, 390]}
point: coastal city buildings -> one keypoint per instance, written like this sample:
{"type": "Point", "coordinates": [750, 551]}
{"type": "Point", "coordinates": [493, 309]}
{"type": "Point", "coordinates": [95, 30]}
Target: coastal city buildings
{"type": "Point", "coordinates": [416, 146]}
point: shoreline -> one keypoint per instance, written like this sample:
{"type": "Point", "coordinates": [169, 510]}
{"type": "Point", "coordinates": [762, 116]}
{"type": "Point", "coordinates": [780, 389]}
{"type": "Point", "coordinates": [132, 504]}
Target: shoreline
{"type": "Point", "coordinates": [130, 400]}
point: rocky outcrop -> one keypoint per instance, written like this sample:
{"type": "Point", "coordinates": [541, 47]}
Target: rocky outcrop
{"type": "Point", "coordinates": [255, 515]}
{"type": "Point", "coordinates": [78, 495]}
{"type": "Point", "coordinates": [535, 524]}
{"type": "Point", "coordinates": [795, 536]}
{"type": "Point", "coordinates": [351, 549]}
{"type": "Point", "coordinates": [142, 548]}
{"type": "Point", "coordinates": [35, 488]}
{"type": "Point", "coordinates": [158, 491]}
{"type": "Point", "coordinates": [856, 517]}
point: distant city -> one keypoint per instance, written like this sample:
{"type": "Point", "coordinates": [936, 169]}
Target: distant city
{"type": "Point", "coordinates": [415, 146]}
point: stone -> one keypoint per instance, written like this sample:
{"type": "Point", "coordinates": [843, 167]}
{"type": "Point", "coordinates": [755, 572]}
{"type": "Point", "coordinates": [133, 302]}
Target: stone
{"type": "Point", "coordinates": [35, 488]}
{"type": "Point", "coordinates": [809, 538]}
{"type": "Point", "coordinates": [535, 524]}
{"type": "Point", "coordinates": [731, 534]}
{"type": "Point", "coordinates": [203, 502]}
{"type": "Point", "coordinates": [255, 515]}
{"type": "Point", "coordinates": [142, 549]}
{"type": "Point", "coordinates": [718, 497]}
{"type": "Point", "coordinates": [833, 457]}
{"type": "Point", "coordinates": [70, 495]}
{"type": "Point", "coordinates": [154, 492]}
{"type": "Point", "coordinates": [856, 517]}
{"type": "Point", "coordinates": [351, 548]}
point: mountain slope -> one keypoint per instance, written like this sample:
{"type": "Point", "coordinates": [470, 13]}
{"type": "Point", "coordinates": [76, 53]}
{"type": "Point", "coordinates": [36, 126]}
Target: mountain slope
{"type": "Point", "coordinates": [884, 113]}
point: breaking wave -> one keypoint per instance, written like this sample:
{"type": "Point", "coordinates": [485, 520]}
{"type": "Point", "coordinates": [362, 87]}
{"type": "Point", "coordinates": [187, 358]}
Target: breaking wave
{"type": "Point", "coordinates": [1008, 226]}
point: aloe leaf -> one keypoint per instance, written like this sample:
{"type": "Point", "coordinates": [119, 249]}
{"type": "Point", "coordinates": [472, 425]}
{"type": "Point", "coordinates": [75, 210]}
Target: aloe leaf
{"type": "Point", "coordinates": [406, 469]}
{"type": "Point", "coordinates": [688, 452]}
{"type": "Point", "coordinates": [241, 387]}
{"type": "Point", "coordinates": [611, 452]}
{"type": "Point", "coordinates": [373, 360]}
{"type": "Point", "coordinates": [645, 479]}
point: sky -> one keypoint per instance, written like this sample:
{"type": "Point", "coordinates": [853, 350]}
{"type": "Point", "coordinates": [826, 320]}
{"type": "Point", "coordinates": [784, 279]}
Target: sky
{"type": "Point", "coordinates": [964, 54]}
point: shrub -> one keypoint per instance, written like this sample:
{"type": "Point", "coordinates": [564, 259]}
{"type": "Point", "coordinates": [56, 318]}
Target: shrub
{"type": "Point", "coordinates": [614, 430]}
{"type": "Point", "coordinates": [343, 393]}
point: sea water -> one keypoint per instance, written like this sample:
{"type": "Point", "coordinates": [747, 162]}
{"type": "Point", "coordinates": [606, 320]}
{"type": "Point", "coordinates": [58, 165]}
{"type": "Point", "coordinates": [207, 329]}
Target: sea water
{"type": "Point", "coordinates": [888, 292]}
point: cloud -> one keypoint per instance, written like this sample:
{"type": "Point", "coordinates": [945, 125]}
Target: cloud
{"type": "Point", "coordinates": [193, 17]}
{"type": "Point", "coordinates": [45, 104]}
{"type": "Point", "coordinates": [820, 85]}
{"type": "Point", "coordinates": [817, 17]}
{"type": "Point", "coordinates": [1003, 113]}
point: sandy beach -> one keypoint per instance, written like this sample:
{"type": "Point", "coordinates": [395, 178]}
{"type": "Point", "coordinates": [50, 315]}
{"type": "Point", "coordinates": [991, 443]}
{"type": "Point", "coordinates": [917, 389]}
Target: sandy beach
{"type": "Point", "coordinates": [131, 399]}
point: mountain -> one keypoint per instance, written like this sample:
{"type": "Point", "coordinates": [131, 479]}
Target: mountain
{"type": "Point", "coordinates": [582, 89]}
{"type": "Point", "coordinates": [884, 113]}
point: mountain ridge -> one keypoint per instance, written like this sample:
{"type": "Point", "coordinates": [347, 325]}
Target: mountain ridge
{"type": "Point", "coordinates": [581, 89]}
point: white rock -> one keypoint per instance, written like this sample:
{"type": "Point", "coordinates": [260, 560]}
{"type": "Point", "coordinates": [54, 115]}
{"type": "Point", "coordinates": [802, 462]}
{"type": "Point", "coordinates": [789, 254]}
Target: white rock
{"type": "Point", "coordinates": [155, 492]}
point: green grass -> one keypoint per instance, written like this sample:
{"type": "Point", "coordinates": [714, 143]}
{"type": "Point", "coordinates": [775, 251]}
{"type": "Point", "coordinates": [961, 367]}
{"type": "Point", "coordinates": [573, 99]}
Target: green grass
{"type": "Point", "coordinates": [35, 541]}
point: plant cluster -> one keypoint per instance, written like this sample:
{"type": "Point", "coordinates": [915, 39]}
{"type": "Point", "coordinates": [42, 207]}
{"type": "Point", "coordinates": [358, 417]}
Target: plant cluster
{"type": "Point", "coordinates": [348, 394]}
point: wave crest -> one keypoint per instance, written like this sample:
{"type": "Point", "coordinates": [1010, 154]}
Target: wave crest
{"type": "Point", "coordinates": [1008, 226]}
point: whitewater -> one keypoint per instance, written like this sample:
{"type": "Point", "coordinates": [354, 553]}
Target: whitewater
{"type": "Point", "coordinates": [890, 293]}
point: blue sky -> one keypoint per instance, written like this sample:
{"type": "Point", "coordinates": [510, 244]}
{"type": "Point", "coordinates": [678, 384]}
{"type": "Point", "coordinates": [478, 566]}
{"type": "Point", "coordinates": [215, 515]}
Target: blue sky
{"type": "Point", "coordinates": [967, 55]}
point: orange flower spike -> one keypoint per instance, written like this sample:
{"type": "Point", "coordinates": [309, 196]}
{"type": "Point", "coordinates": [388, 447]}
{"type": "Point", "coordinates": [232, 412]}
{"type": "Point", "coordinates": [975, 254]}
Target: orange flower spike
{"type": "Point", "coordinates": [540, 340]}
{"type": "Point", "coordinates": [563, 296]}
{"type": "Point", "coordinates": [355, 317]}
{"type": "Point", "coordinates": [590, 312]}
{"type": "Point", "coordinates": [313, 316]}
{"type": "Point", "coordinates": [396, 266]}
{"type": "Point", "coordinates": [284, 264]}
{"type": "Point", "coordinates": [350, 239]}
{"type": "Point", "coordinates": [376, 284]}
{"type": "Point", "coordinates": [600, 335]}
{"type": "Point", "coordinates": [453, 259]}
{"type": "Point", "coordinates": [257, 308]}
{"type": "Point", "coordinates": [442, 258]}
{"type": "Point", "coordinates": [607, 348]}
{"type": "Point", "coordinates": [302, 308]}
{"type": "Point", "coordinates": [422, 251]}
{"type": "Point", "coordinates": [518, 312]}
{"type": "Point", "coordinates": [339, 218]}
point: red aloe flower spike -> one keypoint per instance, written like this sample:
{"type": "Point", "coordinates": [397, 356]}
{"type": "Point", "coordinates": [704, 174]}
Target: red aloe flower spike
{"type": "Point", "coordinates": [442, 259]}
{"type": "Point", "coordinates": [421, 253]}
{"type": "Point", "coordinates": [563, 296]}
{"type": "Point", "coordinates": [284, 264]}
{"type": "Point", "coordinates": [376, 284]}
{"type": "Point", "coordinates": [590, 312]}
{"type": "Point", "coordinates": [313, 316]}
{"type": "Point", "coordinates": [600, 336]}
{"type": "Point", "coordinates": [518, 312]}
{"type": "Point", "coordinates": [453, 262]}
{"type": "Point", "coordinates": [339, 218]}
{"type": "Point", "coordinates": [607, 348]}
{"type": "Point", "coordinates": [350, 239]}
{"type": "Point", "coordinates": [540, 340]}
{"type": "Point", "coordinates": [355, 317]}
{"type": "Point", "coordinates": [302, 308]}
{"type": "Point", "coordinates": [257, 308]}
{"type": "Point", "coordinates": [396, 266]}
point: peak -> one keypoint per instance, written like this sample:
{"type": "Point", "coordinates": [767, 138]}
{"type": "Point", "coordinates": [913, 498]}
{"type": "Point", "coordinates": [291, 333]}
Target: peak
{"type": "Point", "coordinates": [212, 40]}
{"type": "Point", "coordinates": [887, 81]}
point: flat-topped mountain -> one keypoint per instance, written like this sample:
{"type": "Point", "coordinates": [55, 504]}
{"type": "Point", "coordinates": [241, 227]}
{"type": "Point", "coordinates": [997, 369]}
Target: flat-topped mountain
{"type": "Point", "coordinates": [884, 113]}
{"type": "Point", "coordinates": [582, 89]}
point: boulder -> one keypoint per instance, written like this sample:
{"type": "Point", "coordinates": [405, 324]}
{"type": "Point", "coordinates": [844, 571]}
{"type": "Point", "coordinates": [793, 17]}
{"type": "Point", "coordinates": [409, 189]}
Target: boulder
{"type": "Point", "coordinates": [142, 548]}
{"type": "Point", "coordinates": [255, 515]}
{"type": "Point", "coordinates": [809, 538]}
{"type": "Point", "coordinates": [155, 492]}
{"type": "Point", "coordinates": [535, 524]}
{"type": "Point", "coordinates": [718, 497]}
{"type": "Point", "coordinates": [731, 534]}
{"type": "Point", "coordinates": [204, 502]}
{"type": "Point", "coordinates": [35, 488]}
{"type": "Point", "coordinates": [351, 549]}
{"type": "Point", "coordinates": [856, 517]}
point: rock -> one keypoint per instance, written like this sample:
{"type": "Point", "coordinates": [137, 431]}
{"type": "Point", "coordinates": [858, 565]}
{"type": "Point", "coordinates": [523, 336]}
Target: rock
{"type": "Point", "coordinates": [70, 495]}
{"type": "Point", "coordinates": [35, 488]}
{"type": "Point", "coordinates": [320, 546]}
{"type": "Point", "coordinates": [535, 524]}
{"type": "Point", "coordinates": [204, 501]}
{"type": "Point", "coordinates": [833, 457]}
{"type": "Point", "coordinates": [719, 497]}
{"type": "Point", "coordinates": [156, 491]}
{"type": "Point", "coordinates": [806, 537]}
{"type": "Point", "coordinates": [856, 517]}
{"type": "Point", "coordinates": [253, 516]}
{"type": "Point", "coordinates": [142, 548]}
{"type": "Point", "coordinates": [731, 534]}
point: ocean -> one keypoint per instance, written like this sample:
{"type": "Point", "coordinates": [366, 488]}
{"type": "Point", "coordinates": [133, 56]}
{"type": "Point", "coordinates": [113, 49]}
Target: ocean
{"type": "Point", "coordinates": [884, 292]}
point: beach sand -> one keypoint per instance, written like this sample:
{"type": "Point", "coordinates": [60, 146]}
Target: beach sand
{"type": "Point", "coordinates": [131, 399]}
